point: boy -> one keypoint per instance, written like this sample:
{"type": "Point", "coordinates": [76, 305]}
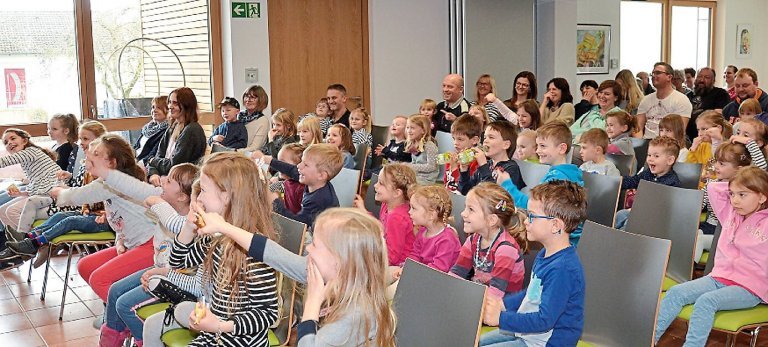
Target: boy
{"type": "Point", "coordinates": [319, 164]}
{"type": "Point", "coordinates": [551, 310]}
{"type": "Point", "coordinates": [526, 146]}
{"type": "Point", "coordinates": [292, 190]}
{"type": "Point", "coordinates": [465, 132]}
{"type": "Point", "coordinates": [662, 155]}
{"type": "Point", "coordinates": [592, 146]}
{"type": "Point", "coordinates": [500, 141]}
{"type": "Point", "coordinates": [231, 133]}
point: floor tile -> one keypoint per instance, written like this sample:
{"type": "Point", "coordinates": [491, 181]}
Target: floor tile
{"type": "Point", "coordinates": [67, 331]}
{"type": "Point", "coordinates": [31, 302]}
{"type": "Point", "coordinates": [85, 341]}
{"type": "Point", "coordinates": [36, 287]}
{"type": "Point", "coordinates": [96, 306]}
{"type": "Point", "coordinates": [9, 306]}
{"type": "Point", "coordinates": [26, 338]}
{"type": "Point", "coordinates": [50, 315]}
{"type": "Point", "coordinates": [85, 293]}
{"type": "Point", "coordinates": [14, 322]}
{"type": "Point", "coordinates": [5, 293]}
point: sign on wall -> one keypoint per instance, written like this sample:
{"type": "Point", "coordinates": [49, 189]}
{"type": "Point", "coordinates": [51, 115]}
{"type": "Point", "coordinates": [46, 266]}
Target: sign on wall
{"type": "Point", "coordinates": [246, 10]}
{"type": "Point", "coordinates": [15, 87]}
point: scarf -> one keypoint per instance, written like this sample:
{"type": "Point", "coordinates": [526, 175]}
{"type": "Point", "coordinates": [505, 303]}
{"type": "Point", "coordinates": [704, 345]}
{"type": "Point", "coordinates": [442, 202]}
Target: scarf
{"type": "Point", "coordinates": [246, 118]}
{"type": "Point", "coordinates": [152, 128]}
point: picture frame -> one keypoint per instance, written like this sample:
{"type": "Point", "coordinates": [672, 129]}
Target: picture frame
{"type": "Point", "coordinates": [593, 45]}
{"type": "Point", "coordinates": [744, 40]}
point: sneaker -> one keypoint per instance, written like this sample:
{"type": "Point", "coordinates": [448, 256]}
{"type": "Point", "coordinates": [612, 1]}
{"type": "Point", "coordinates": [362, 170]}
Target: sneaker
{"type": "Point", "coordinates": [11, 263]}
{"type": "Point", "coordinates": [98, 322]}
{"type": "Point", "coordinates": [7, 254]}
{"type": "Point", "coordinates": [24, 247]}
{"type": "Point", "coordinates": [15, 235]}
{"type": "Point", "coordinates": [42, 255]}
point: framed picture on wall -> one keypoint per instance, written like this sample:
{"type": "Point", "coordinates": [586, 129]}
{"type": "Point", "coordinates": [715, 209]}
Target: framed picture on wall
{"type": "Point", "coordinates": [744, 40]}
{"type": "Point", "coordinates": [593, 43]}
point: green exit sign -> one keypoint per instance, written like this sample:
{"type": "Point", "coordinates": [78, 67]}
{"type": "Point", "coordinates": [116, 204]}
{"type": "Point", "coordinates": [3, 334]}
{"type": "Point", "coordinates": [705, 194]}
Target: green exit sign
{"type": "Point", "coordinates": [246, 10]}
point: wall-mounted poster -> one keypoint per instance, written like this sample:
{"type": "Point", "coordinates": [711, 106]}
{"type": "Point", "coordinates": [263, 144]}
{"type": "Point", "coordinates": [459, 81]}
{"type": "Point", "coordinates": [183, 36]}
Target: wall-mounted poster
{"type": "Point", "coordinates": [744, 40]}
{"type": "Point", "coordinates": [593, 42]}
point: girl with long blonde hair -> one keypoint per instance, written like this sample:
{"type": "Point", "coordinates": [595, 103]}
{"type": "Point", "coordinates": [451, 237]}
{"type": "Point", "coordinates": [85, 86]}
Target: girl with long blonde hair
{"type": "Point", "coordinates": [632, 92]}
{"type": "Point", "coordinates": [423, 150]}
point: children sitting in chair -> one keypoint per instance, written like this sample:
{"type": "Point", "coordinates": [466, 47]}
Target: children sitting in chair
{"type": "Point", "coordinates": [592, 145]}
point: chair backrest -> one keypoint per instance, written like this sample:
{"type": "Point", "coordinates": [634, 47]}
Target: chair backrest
{"type": "Point", "coordinates": [215, 148]}
{"type": "Point", "coordinates": [532, 173]}
{"type": "Point", "coordinates": [689, 174]}
{"type": "Point", "coordinates": [602, 197]}
{"type": "Point", "coordinates": [371, 204]}
{"type": "Point", "coordinates": [346, 186]}
{"type": "Point", "coordinates": [458, 201]}
{"type": "Point", "coordinates": [361, 155]}
{"type": "Point", "coordinates": [444, 144]}
{"type": "Point", "coordinates": [625, 163]}
{"type": "Point", "coordinates": [436, 309]}
{"type": "Point", "coordinates": [291, 232]}
{"type": "Point", "coordinates": [528, 259]}
{"type": "Point", "coordinates": [641, 151]}
{"type": "Point", "coordinates": [669, 213]}
{"type": "Point", "coordinates": [291, 238]}
{"type": "Point", "coordinates": [380, 133]}
{"type": "Point", "coordinates": [713, 250]}
{"type": "Point", "coordinates": [623, 274]}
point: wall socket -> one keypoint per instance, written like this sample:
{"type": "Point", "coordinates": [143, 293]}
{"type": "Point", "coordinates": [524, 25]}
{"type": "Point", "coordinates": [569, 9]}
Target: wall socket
{"type": "Point", "coordinates": [614, 63]}
{"type": "Point", "coordinates": [251, 75]}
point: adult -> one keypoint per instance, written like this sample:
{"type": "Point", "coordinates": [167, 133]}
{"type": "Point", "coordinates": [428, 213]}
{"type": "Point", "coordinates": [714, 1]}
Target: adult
{"type": "Point", "coordinates": [706, 97]}
{"type": "Point", "coordinates": [690, 77]}
{"type": "Point", "coordinates": [257, 124]}
{"type": "Point", "coordinates": [557, 104]}
{"type": "Point", "coordinates": [525, 89]}
{"type": "Point", "coordinates": [152, 132]}
{"type": "Point", "coordinates": [665, 100]}
{"type": "Point", "coordinates": [486, 85]}
{"type": "Point", "coordinates": [678, 81]}
{"type": "Point", "coordinates": [453, 105]}
{"type": "Point", "coordinates": [645, 84]}
{"type": "Point", "coordinates": [588, 90]}
{"type": "Point", "coordinates": [729, 77]}
{"type": "Point", "coordinates": [184, 141]}
{"type": "Point", "coordinates": [337, 102]}
{"type": "Point", "coordinates": [609, 96]}
{"type": "Point", "coordinates": [745, 85]}
{"type": "Point", "coordinates": [633, 95]}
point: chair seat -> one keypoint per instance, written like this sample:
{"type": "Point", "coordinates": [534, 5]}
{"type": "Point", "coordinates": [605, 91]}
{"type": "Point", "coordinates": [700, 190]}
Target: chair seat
{"type": "Point", "coordinates": [38, 222]}
{"type": "Point", "coordinates": [487, 329]}
{"type": "Point", "coordinates": [584, 344]}
{"type": "Point", "coordinates": [145, 311]}
{"type": "Point", "coordinates": [704, 258]}
{"type": "Point", "coordinates": [668, 283]}
{"type": "Point", "coordinates": [178, 337]}
{"type": "Point", "coordinates": [733, 320]}
{"type": "Point", "coordinates": [273, 341]}
{"type": "Point", "coordinates": [75, 235]}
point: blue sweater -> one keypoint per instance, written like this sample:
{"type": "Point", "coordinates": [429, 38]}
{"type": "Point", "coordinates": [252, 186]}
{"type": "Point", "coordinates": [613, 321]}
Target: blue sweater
{"type": "Point", "coordinates": [311, 204]}
{"type": "Point", "coordinates": [235, 135]}
{"type": "Point", "coordinates": [551, 310]}
{"type": "Point", "coordinates": [668, 179]}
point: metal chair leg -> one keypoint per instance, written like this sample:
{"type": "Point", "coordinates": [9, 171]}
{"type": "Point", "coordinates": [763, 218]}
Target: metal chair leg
{"type": "Point", "coordinates": [47, 268]}
{"type": "Point", "coordinates": [29, 274]}
{"type": "Point", "coordinates": [753, 339]}
{"type": "Point", "coordinates": [66, 282]}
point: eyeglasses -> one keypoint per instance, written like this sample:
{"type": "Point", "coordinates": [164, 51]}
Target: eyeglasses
{"type": "Point", "coordinates": [658, 72]}
{"type": "Point", "coordinates": [532, 216]}
{"type": "Point", "coordinates": [250, 96]}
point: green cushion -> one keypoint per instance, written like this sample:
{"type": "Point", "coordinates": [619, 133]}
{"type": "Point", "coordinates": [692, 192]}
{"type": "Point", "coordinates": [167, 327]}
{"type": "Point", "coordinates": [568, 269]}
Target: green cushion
{"type": "Point", "coordinates": [487, 329]}
{"type": "Point", "coordinates": [273, 341]}
{"type": "Point", "coordinates": [703, 217]}
{"type": "Point", "coordinates": [75, 235]}
{"type": "Point", "coordinates": [178, 337]}
{"type": "Point", "coordinates": [147, 310]}
{"type": "Point", "coordinates": [668, 283]}
{"type": "Point", "coordinates": [38, 222]}
{"type": "Point", "coordinates": [733, 320]}
{"type": "Point", "coordinates": [584, 344]}
{"type": "Point", "coordinates": [704, 258]}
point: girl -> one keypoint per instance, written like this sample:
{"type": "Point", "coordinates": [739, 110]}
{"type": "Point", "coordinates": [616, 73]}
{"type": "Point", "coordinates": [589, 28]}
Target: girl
{"type": "Point", "coordinates": [525, 89]}
{"type": "Point", "coordinates": [672, 126]}
{"type": "Point", "coordinates": [437, 243]}
{"type": "Point", "coordinates": [339, 136]}
{"type": "Point", "coordinates": [557, 103]}
{"type": "Point", "coordinates": [423, 151]}
{"type": "Point", "coordinates": [62, 128]}
{"type": "Point", "coordinates": [255, 100]}
{"type": "Point", "coordinates": [395, 151]}
{"type": "Point", "coordinates": [360, 124]}
{"type": "Point", "coordinates": [323, 113]}
{"type": "Point", "coordinates": [747, 110]}
{"type": "Point", "coordinates": [609, 95]}
{"type": "Point", "coordinates": [152, 132]}
{"type": "Point", "coordinates": [491, 254]}
{"type": "Point", "coordinates": [283, 131]}
{"type": "Point", "coordinates": [240, 289]}
{"type": "Point", "coordinates": [732, 284]}
{"type": "Point", "coordinates": [713, 129]}
{"type": "Point", "coordinates": [393, 188]}
{"type": "Point", "coordinates": [620, 125]}
{"type": "Point", "coordinates": [754, 135]}
{"type": "Point", "coordinates": [344, 271]}
{"type": "Point", "coordinates": [480, 114]}
{"type": "Point", "coordinates": [632, 94]}
{"type": "Point", "coordinates": [309, 131]}
{"type": "Point", "coordinates": [526, 146]}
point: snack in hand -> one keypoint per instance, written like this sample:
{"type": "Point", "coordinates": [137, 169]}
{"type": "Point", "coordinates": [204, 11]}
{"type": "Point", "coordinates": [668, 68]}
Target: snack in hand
{"type": "Point", "coordinates": [199, 311]}
{"type": "Point", "coordinates": [199, 221]}
{"type": "Point", "coordinates": [13, 189]}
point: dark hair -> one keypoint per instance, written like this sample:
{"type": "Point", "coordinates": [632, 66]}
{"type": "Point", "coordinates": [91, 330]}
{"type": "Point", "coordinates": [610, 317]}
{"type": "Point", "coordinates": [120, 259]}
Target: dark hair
{"type": "Point", "coordinates": [339, 87]}
{"type": "Point", "coordinates": [615, 87]}
{"type": "Point", "coordinates": [26, 136]}
{"type": "Point", "coordinates": [690, 71]}
{"type": "Point", "coordinates": [467, 125]}
{"type": "Point", "coordinates": [122, 152]}
{"type": "Point", "coordinates": [564, 200]}
{"type": "Point", "coordinates": [565, 90]}
{"type": "Point", "coordinates": [588, 83]}
{"type": "Point", "coordinates": [668, 68]}
{"type": "Point", "coordinates": [507, 132]}
{"type": "Point", "coordinates": [532, 88]}
{"type": "Point", "coordinates": [532, 108]}
{"type": "Point", "coordinates": [187, 103]}
{"type": "Point", "coordinates": [733, 67]}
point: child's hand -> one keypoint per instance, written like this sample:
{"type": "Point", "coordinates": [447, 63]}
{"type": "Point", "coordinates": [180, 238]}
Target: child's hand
{"type": "Point", "coordinates": [315, 292]}
{"type": "Point", "coordinates": [257, 154]}
{"type": "Point", "coordinates": [63, 175]}
{"type": "Point", "coordinates": [480, 156]}
{"type": "Point", "coordinates": [272, 134]}
{"type": "Point", "coordinates": [740, 139]}
{"type": "Point", "coordinates": [501, 176]}
{"type": "Point", "coordinates": [154, 180]}
{"type": "Point", "coordinates": [490, 98]}
{"type": "Point", "coordinates": [715, 133]}
{"type": "Point", "coordinates": [448, 116]}
{"type": "Point", "coordinates": [734, 120]}
{"type": "Point", "coordinates": [151, 272]}
{"type": "Point", "coordinates": [152, 201]}
{"type": "Point", "coordinates": [217, 138]}
{"type": "Point", "coordinates": [378, 150]}
{"type": "Point", "coordinates": [274, 179]}
{"type": "Point", "coordinates": [359, 202]}
{"type": "Point", "coordinates": [213, 222]}
{"type": "Point", "coordinates": [119, 246]}
{"type": "Point", "coordinates": [101, 218]}
{"type": "Point", "coordinates": [492, 311]}
{"type": "Point", "coordinates": [396, 273]}
{"type": "Point", "coordinates": [696, 142]}
{"type": "Point", "coordinates": [54, 193]}
{"type": "Point", "coordinates": [209, 322]}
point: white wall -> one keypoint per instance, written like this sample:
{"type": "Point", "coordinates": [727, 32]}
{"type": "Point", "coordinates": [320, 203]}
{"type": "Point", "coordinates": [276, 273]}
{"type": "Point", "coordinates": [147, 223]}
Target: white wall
{"type": "Point", "coordinates": [599, 12]}
{"type": "Point", "coordinates": [555, 41]}
{"type": "Point", "coordinates": [730, 13]}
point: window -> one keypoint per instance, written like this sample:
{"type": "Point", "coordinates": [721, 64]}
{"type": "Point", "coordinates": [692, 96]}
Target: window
{"type": "Point", "coordinates": [640, 19]}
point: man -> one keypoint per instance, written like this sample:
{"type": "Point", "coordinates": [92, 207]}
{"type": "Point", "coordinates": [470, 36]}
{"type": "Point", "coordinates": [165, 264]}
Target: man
{"type": "Point", "coordinates": [453, 104]}
{"type": "Point", "coordinates": [644, 85]}
{"type": "Point", "coordinates": [337, 102]}
{"type": "Point", "coordinates": [690, 77]}
{"type": "Point", "coordinates": [745, 86]}
{"type": "Point", "coordinates": [678, 79]}
{"type": "Point", "coordinates": [665, 100]}
{"type": "Point", "coordinates": [706, 97]}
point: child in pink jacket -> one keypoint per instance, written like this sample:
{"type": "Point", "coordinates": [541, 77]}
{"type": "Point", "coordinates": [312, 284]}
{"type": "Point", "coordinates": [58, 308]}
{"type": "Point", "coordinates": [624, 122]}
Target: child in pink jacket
{"type": "Point", "coordinates": [739, 278]}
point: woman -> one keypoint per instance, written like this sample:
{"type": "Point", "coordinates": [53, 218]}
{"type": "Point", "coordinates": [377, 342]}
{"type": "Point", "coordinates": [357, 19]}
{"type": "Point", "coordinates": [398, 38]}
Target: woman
{"type": "Point", "coordinates": [152, 132]}
{"type": "Point", "coordinates": [486, 85]}
{"type": "Point", "coordinates": [184, 141]}
{"type": "Point", "coordinates": [609, 95]}
{"type": "Point", "coordinates": [633, 95]}
{"type": "Point", "coordinates": [525, 88]}
{"type": "Point", "coordinates": [729, 75]}
{"type": "Point", "coordinates": [557, 104]}
{"type": "Point", "coordinates": [255, 100]}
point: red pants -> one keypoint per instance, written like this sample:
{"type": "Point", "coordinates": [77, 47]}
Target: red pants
{"type": "Point", "coordinates": [105, 267]}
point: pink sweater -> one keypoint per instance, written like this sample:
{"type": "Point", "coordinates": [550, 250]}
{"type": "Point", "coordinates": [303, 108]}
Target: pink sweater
{"type": "Point", "coordinates": [742, 251]}
{"type": "Point", "coordinates": [439, 251]}
{"type": "Point", "coordinates": [398, 232]}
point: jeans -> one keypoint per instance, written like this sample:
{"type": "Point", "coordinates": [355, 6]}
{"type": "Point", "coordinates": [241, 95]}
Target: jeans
{"type": "Point", "coordinates": [707, 296]}
{"type": "Point", "coordinates": [64, 222]}
{"type": "Point", "coordinates": [497, 338]}
{"type": "Point", "coordinates": [621, 219]}
{"type": "Point", "coordinates": [124, 297]}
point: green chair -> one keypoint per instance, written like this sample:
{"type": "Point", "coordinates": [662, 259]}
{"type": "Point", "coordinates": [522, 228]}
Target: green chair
{"type": "Point", "coordinates": [178, 337]}
{"type": "Point", "coordinates": [147, 310]}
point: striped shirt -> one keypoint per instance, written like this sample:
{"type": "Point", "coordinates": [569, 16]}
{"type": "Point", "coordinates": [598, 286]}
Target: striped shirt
{"type": "Point", "coordinates": [39, 168]}
{"type": "Point", "coordinates": [255, 307]}
{"type": "Point", "coordinates": [174, 222]}
{"type": "Point", "coordinates": [362, 136]}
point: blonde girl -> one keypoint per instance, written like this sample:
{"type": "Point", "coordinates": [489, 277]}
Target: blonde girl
{"type": "Point", "coordinates": [309, 131]}
{"type": "Point", "coordinates": [713, 130]}
{"type": "Point", "coordinates": [437, 243]}
{"type": "Point", "coordinates": [620, 125]}
{"type": "Point", "coordinates": [345, 270]}
{"type": "Point", "coordinates": [360, 124]}
{"type": "Point", "coordinates": [240, 290]}
{"type": "Point", "coordinates": [395, 150]}
{"type": "Point", "coordinates": [632, 93]}
{"type": "Point", "coordinates": [62, 128]}
{"type": "Point", "coordinates": [753, 134]}
{"type": "Point", "coordinates": [283, 131]}
{"type": "Point", "coordinates": [323, 113]}
{"type": "Point", "coordinates": [672, 126]}
{"type": "Point", "coordinates": [526, 146]}
{"type": "Point", "coordinates": [339, 136]}
{"type": "Point", "coordinates": [490, 255]}
{"type": "Point", "coordinates": [423, 151]}
{"type": "Point", "coordinates": [479, 113]}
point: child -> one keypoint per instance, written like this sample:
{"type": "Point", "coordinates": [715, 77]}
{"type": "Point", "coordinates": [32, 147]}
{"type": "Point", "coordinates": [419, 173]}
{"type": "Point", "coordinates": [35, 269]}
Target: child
{"type": "Point", "coordinates": [526, 146]}
{"type": "Point", "coordinates": [491, 254]}
{"type": "Point", "coordinates": [344, 272]}
{"type": "Point", "coordinates": [360, 124]}
{"type": "Point", "coordinates": [662, 155]}
{"type": "Point", "coordinates": [500, 140]}
{"type": "Point", "coordinates": [395, 185]}
{"type": "Point", "coordinates": [465, 132]}
{"type": "Point", "coordinates": [62, 128]}
{"type": "Point", "coordinates": [478, 112]}
{"type": "Point", "coordinates": [423, 151]}
{"type": "Point", "coordinates": [323, 113]}
{"type": "Point", "coordinates": [283, 131]}
{"type": "Point", "coordinates": [747, 110]}
{"type": "Point", "coordinates": [340, 137]}
{"type": "Point", "coordinates": [231, 133]}
{"type": "Point", "coordinates": [753, 134]}
{"type": "Point", "coordinates": [319, 164]}
{"type": "Point", "coordinates": [503, 110]}
{"type": "Point", "coordinates": [553, 142]}
{"type": "Point", "coordinates": [240, 291]}
{"type": "Point", "coordinates": [395, 150]}
{"type": "Point", "coordinates": [528, 116]}
{"type": "Point", "coordinates": [551, 310]}
{"type": "Point", "coordinates": [428, 108]}
{"type": "Point", "coordinates": [713, 129]}
{"type": "Point", "coordinates": [309, 131]}
{"type": "Point", "coordinates": [620, 125]}
{"type": "Point", "coordinates": [293, 190]}
{"type": "Point", "coordinates": [592, 150]}
{"type": "Point", "coordinates": [437, 243]}
{"type": "Point", "coordinates": [672, 126]}
{"type": "Point", "coordinates": [733, 283]}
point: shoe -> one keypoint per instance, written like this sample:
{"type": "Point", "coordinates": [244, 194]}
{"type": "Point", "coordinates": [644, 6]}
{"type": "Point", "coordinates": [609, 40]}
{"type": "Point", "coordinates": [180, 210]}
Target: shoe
{"type": "Point", "coordinates": [42, 255]}
{"type": "Point", "coordinates": [15, 235]}
{"type": "Point", "coordinates": [8, 254]}
{"type": "Point", "coordinates": [26, 247]}
{"type": "Point", "coordinates": [11, 263]}
{"type": "Point", "coordinates": [111, 337]}
{"type": "Point", "coordinates": [98, 321]}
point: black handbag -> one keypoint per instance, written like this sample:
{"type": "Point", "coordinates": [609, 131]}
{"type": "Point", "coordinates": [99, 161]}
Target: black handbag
{"type": "Point", "coordinates": [161, 288]}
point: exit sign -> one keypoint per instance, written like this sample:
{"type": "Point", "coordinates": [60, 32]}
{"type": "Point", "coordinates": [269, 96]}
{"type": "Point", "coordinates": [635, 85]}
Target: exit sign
{"type": "Point", "coordinates": [246, 10]}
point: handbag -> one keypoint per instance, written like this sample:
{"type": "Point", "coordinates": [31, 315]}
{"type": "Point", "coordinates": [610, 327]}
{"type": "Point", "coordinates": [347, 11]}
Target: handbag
{"type": "Point", "coordinates": [161, 288]}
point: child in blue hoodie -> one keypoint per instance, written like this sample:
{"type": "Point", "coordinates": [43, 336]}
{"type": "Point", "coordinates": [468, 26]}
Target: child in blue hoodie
{"type": "Point", "coordinates": [553, 142]}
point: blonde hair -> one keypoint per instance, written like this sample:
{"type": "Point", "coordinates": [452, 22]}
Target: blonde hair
{"type": "Point", "coordinates": [674, 123]}
{"type": "Point", "coordinates": [69, 122]}
{"type": "Point", "coordinates": [716, 119]}
{"type": "Point", "coordinates": [327, 157]}
{"type": "Point", "coordinates": [401, 177]}
{"type": "Point", "coordinates": [95, 127]}
{"type": "Point", "coordinates": [428, 103]}
{"type": "Point", "coordinates": [435, 198]}
{"type": "Point", "coordinates": [761, 130]}
{"type": "Point", "coordinates": [556, 131]}
{"type": "Point", "coordinates": [288, 119]}
{"type": "Point", "coordinates": [360, 111]}
{"type": "Point", "coordinates": [631, 90]}
{"type": "Point", "coordinates": [425, 125]}
{"type": "Point", "coordinates": [346, 138]}
{"type": "Point", "coordinates": [750, 105]}
{"type": "Point", "coordinates": [389, 136]}
{"type": "Point", "coordinates": [294, 150]}
{"type": "Point", "coordinates": [595, 137]}
{"type": "Point", "coordinates": [312, 124]}
{"type": "Point", "coordinates": [354, 238]}
{"type": "Point", "coordinates": [496, 200]}
{"type": "Point", "coordinates": [486, 118]}
{"type": "Point", "coordinates": [491, 81]}
{"type": "Point", "coordinates": [754, 179]}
